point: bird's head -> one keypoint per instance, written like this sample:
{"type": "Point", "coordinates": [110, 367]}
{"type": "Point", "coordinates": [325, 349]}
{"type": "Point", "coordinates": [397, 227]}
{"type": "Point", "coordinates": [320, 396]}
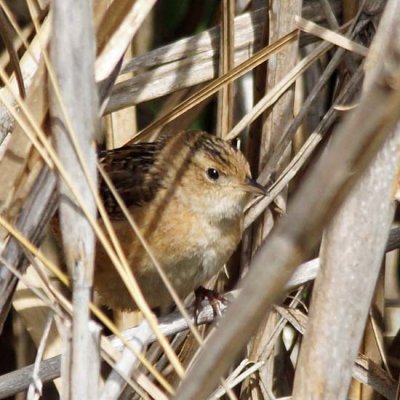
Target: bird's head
{"type": "Point", "coordinates": [210, 174]}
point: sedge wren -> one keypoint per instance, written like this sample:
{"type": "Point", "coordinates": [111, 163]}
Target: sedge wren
{"type": "Point", "coordinates": [187, 194]}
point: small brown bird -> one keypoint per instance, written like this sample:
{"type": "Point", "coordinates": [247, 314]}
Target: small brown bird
{"type": "Point", "coordinates": [187, 193]}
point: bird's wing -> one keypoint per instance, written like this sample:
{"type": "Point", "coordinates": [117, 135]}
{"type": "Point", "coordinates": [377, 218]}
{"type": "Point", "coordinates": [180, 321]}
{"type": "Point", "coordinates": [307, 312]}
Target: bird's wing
{"type": "Point", "coordinates": [133, 172]}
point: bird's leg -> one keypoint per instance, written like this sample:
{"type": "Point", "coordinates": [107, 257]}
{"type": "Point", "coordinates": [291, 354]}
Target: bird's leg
{"type": "Point", "coordinates": [213, 298]}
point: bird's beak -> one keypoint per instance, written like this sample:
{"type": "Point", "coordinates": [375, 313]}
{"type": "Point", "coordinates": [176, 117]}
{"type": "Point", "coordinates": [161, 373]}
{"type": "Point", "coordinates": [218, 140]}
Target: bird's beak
{"type": "Point", "coordinates": [252, 186]}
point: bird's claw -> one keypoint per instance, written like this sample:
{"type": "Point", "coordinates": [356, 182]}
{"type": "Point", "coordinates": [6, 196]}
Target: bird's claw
{"type": "Point", "coordinates": [213, 297]}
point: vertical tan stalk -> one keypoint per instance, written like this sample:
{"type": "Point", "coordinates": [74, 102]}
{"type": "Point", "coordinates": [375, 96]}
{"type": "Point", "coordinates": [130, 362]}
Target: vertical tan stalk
{"type": "Point", "coordinates": [272, 126]}
{"type": "Point", "coordinates": [73, 54]}
{"type": "Point", "coordinates": [226, 51]}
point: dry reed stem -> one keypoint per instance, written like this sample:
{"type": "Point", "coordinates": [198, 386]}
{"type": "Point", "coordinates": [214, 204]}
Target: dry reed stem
{"type": "Point", "coordinates": [226, 63]}
{"type": "Point", "coordinates": [74, 83]}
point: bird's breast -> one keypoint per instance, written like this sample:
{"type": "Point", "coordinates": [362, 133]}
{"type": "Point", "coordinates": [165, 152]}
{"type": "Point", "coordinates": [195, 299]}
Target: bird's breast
{"type": "Point", "coordinates": [220, 241]}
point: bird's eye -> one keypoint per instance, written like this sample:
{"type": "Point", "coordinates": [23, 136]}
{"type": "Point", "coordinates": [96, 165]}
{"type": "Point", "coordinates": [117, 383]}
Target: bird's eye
{"type": "Point", "coordinates": [213, 174]}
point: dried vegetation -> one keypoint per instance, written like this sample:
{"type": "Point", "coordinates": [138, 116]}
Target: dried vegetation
{"type": "Point", "coordinates": [311, 89]}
